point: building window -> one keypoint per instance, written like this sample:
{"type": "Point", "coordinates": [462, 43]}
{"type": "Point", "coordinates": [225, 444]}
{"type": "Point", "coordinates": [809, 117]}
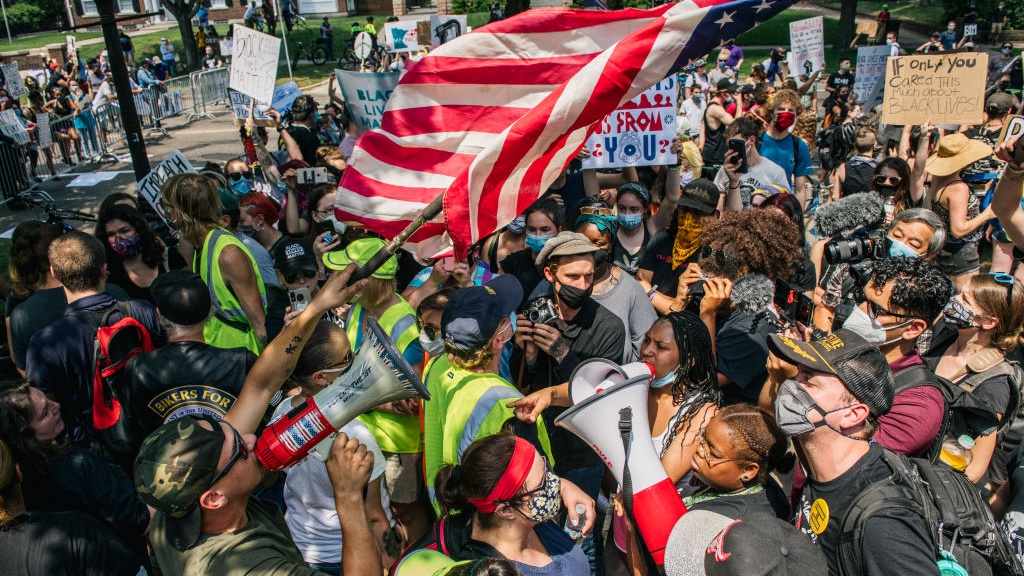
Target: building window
{"type": "Point", "coordinates": [125, 7]}
{"type": "Point", "coordinates": [89, 8]}
{"type": "Point", "coordinates": [218, 5]}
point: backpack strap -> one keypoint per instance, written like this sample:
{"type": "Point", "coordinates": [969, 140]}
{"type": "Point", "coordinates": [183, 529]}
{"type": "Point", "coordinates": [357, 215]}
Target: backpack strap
{"type": "Point", "coordinates": [912, 377]}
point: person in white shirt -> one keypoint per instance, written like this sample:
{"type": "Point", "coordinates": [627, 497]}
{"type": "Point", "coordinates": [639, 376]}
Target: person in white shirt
{"type": "Point", "coordinates": [738, 188]}
{"type": "Point", "coordinates": [693, 109]}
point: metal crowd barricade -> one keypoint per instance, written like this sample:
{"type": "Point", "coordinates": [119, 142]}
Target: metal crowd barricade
{"type": "Point", "coordinates": [15, 177]}
{"type": "Point", "coordinates": [109, 130]}
{"type": "Point", "coordinates": [149, 106]}
{"type": "Point", "coordinates": [210, 87]}
{"type": "Point", "coordinates": [65, 146]}
{"type": "Point", "coordinates": [179, 97]}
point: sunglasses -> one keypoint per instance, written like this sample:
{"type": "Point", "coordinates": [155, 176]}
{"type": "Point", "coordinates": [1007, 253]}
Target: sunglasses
{"type": "Point", "coordinates": [294, 277]}
{"type": "Point", "coordinates": [875, 310]}
{"type": "Point", "coordinates": [529, 493]}
{"type": "Point", "coordinates": [241, 452]}
{"type": "Point", "coordinates": [239, 175]}
{"type": "Point", "coordinates": [601, 211]}
{"type": "Point", "coordinates": [887, 180]}
{"type": "Point", "coordinates": [343, 366]}
{"type": "Point", "coordinates": [1005, 280]}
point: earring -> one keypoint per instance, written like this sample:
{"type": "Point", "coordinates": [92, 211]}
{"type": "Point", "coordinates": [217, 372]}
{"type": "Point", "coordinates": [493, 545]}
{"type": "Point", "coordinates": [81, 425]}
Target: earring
{"type": "Point", "coordinates": [746, 478]}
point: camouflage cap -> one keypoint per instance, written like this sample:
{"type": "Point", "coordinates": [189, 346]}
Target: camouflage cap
{"type": "Point", "coordinates": [175, 465]}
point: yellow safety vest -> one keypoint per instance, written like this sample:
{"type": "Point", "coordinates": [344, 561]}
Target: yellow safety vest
{"type": "Point", "coordinates": [229, 327]}
{"type": "Point", "coordinates": [394, 432]}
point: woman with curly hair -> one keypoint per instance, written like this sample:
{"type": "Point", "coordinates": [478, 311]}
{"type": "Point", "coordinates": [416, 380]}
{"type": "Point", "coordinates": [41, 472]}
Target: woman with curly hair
{"type": "Point", "coordinates": [135, 255]}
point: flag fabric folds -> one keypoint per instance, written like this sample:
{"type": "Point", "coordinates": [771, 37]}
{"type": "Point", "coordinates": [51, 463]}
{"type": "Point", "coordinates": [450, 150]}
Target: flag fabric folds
{"type": "Point", "coordinates": [491, 118]}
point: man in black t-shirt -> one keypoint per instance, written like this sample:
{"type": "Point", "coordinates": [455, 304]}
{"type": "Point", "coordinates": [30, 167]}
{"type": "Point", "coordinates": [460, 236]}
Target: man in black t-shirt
{"type": "Point", "coordinates": [830, 409]}
{"type": "Point", "coordinates": [842, 77]}
{"type": "Point", "coordinates": [302, 127]}
{"type": "Point", "coordinates": [187, 376]}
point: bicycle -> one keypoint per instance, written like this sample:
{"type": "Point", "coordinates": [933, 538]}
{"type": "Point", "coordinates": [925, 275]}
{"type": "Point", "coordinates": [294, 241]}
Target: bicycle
{"type": "Point", "coordinates": [42, 201]}
{"type": "Point", "coordinates": [317, 54]}
{"type": "Point", "coordinates": [375, 62]}
{"type": "Point", "coordinates": [299, 21]}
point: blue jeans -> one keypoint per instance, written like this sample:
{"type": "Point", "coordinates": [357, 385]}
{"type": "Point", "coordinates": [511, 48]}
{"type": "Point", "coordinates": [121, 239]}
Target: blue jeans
{"type": "Point", "coordinates": [589, 480]}
{"type": "Point", "coordinates": [332, 568]}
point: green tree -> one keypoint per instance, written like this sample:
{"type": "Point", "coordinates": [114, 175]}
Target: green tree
{"type": "Point", "coordinates": [847, 25]}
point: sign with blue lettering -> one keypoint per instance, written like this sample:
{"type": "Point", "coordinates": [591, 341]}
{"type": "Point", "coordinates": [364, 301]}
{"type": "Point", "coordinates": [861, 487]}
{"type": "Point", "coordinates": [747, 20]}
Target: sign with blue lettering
{"type": "Point", "coordinates": [639, 133]}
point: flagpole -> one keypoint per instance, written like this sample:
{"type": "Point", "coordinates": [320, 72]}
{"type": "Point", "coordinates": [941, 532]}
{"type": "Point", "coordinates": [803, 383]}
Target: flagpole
{"type": "Point", "coordinates": [382, 255]}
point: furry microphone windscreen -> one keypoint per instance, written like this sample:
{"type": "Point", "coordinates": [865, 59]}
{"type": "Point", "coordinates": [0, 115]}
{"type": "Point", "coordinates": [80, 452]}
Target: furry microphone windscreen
{"type": "Point", "coordinates": [752, 293]}
{"type": "Point", "coordinates": [850, 213]}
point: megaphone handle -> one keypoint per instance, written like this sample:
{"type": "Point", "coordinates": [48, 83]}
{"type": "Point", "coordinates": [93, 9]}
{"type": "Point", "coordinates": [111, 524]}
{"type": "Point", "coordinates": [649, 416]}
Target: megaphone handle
{"type": "Point", "coordinates": [626, 434]}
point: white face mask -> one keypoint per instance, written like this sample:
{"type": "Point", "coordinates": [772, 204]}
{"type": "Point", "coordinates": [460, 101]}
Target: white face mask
{"type": "Point", "coordinates": [433, 347]}
{"type": "Point", "coordinates": [870, 329]}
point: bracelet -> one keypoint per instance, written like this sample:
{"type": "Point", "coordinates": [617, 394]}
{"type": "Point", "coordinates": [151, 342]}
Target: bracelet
{"type": "Point", "coordinates": [1015, 172]}
{"type": "Point", "coordinates": [736, 187]}
{"type": "Point", "coordinates": [652, 294]}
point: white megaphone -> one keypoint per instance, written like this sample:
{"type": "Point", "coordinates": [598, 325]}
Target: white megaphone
{"type": "Point", "coordinates": [378, 374]}
{"type": "Point", "coordinates": [602, 393]}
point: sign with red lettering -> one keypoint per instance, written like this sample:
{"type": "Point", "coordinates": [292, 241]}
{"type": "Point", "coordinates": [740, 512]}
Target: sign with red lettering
{"type": "Point", "coordinates": [639, 133]}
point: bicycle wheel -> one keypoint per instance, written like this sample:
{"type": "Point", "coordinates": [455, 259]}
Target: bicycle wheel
{"type": "Point", "coordinates": [349, 62]}
{"type": "Point", "coordinates": [318, 55]}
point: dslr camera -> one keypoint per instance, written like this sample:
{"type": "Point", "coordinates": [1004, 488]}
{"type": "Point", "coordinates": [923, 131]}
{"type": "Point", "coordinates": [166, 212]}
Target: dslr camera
{"type": "Point", "coordinates": [542, 311]}
{"type": "Point", "coordinates": [864, 244]}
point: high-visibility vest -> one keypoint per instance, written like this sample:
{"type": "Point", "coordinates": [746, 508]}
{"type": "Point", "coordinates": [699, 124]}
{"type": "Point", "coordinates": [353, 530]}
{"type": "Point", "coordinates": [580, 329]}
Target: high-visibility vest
{"type": "Point", "coordinates": [394, 432]}
{"type": "Point", "coordinates": [228, 327]}
{"type": "Point", "coordinates": [464, 406]}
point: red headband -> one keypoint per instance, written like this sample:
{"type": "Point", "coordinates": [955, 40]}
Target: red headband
{"type": "Point", "coordinates": [511, 480]}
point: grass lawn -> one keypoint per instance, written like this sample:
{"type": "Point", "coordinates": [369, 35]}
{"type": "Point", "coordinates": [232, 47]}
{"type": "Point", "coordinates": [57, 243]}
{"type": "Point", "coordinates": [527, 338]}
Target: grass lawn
{"type": "Point", "coordinates": [934, 14]}
{"type": "Point", "coordinates": [775, 32]}
{"type": "Point", "coordinates": [37, 42]}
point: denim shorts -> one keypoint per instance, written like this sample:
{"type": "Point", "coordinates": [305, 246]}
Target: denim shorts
{"type": "Point", "coordinates": [955, 260]}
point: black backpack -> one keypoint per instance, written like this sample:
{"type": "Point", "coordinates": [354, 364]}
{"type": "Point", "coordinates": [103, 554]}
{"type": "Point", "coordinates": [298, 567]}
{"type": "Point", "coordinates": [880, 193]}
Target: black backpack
{"type": "Point", "coordinates": [957, 518]}
{"type": "Point", "coordinates": [834, 145]}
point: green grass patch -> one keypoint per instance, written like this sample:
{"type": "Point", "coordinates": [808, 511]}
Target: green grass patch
{"type": "Point", "coordinates": [37, 42]}
{"type": "Point", "coordinates": [931, 14]}
{"type": "Point", "coordinates": [775, 32]}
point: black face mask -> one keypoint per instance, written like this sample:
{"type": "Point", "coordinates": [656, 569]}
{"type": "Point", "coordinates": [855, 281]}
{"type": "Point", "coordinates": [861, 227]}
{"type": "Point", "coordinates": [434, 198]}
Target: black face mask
{"type": "Point", "coordinates": [600, 258]}
{"type": "Point", "coordinates": [886, 190]}
{"type": "Point", "coordinates": [574, 297]}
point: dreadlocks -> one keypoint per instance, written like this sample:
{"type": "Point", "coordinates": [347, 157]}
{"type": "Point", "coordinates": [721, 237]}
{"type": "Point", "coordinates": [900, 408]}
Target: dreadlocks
{"type": "Point", "coordinates": [696, 381]}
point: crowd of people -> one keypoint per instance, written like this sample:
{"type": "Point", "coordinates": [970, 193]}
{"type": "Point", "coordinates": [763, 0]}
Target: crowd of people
{"type": "Point", "coordinates": [804, 285]}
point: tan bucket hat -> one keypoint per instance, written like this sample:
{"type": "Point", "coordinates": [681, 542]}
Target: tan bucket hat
{"type": "Point", "coordinates": [954, 153]}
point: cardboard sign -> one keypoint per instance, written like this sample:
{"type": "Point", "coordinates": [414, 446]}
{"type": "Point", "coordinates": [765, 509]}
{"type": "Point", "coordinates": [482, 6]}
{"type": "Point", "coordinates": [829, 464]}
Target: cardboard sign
{"type": "Point", "coordinates": [366, 94]}
{"type": "Point", "coordinates": [149, 187]}
{"type": "Point", "coordinates": [445, 28]}
{"type": "Point", "coordinates": [639, 133]}
{"type": "Point", "coordinates": [806, 45]}
{"type": "Point", "coordinates": [70, 48]}
{"type": "Point", "coordinates": [1013, 128]}
{"type": "Point", "coordinates": [254, 64]}
{"type": "Point", "coordinates": [15, 87]}
{"type": "Point", "coordinates": [867, 27]}
{"type": "Point", "coordinates": [12, 127]}
{"type": "Point", "coordinates": [402, 36]}
{"type": "Point", "coordinates": [970, 29]}
{"type": "Point", "coordinates": [936, 88]}
{"type": "Point", "coordinates": [870, 75]}
{"type": "Point", "coordinates": [43, 135]}
{"type": "Point", "coordinates": [226, 46]}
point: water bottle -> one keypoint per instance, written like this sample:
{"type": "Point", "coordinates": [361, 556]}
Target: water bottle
{"type": "Point", "coordinates": [575, 529]}
{"type": "Point", "coordinates": [890, 208]}
{"type": "Point", "coordinates": [957, 453]}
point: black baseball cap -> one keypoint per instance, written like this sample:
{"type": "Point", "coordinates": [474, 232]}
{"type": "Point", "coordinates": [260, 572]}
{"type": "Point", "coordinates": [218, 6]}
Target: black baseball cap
{"type": "Point", "coordinates": [762, 545]}
{"type": "Point", "coordinates": [181, 297]}
{"type": "Point", "coordinates": [726, 84]}
{"type": "Point", "coordinates": [295, 255]}
{"type": "Point", "coordinates": [473, 314]}
{"type": "Point", "coordinates": [859, 364]}
{"type": "Point", "coordinates": [701, 194]}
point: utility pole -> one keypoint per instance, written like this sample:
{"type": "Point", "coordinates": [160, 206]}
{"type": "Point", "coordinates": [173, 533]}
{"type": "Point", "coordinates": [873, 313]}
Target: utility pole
{"type": "Point", "coordinates": [123, 89]}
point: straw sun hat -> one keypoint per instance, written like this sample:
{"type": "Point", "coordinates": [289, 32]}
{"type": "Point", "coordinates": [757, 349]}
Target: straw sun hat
{"type": "Point", "coordinates": [954, 153]}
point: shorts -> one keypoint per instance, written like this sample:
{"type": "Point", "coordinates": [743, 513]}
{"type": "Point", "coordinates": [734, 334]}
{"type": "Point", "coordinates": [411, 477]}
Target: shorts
{"type": "Point", "coordinates": [957, 261]}
{"type": "Point", "coordinates": [402, 477]}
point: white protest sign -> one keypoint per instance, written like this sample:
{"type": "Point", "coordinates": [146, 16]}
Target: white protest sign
{"type": "Point", "coordinates": [15, 87]}
{"type": "Point", "coordinates": [313, 176]}
{"type": "Point", "coordinates": [70, 48]}
{"type": "Point", "coordinates": [240, 106]}
{"type": "Point", "coordinates": [1013, 128]}
{"type": "Point", "coordinates": [149, 187]}
{"type": "Point", "coordinates": [11, 126]}
{"type": "Point", "coordinates": [366, 94]}
{"type": "Point", "coordinates": [970, 29]}
{"type": "Point", "coordinates": [226, 46]}
{"type": "Point", "coordinates": [402, 36]}
{"type": "Point", "coordinates": [807, 45]}
{"type": "Point", "coordinates": [254, 63]}
{"type": "Point", "coordinates": [944, 88]}
{"type": "Point", "coordinates": [639, 133]}
{"type": "Point", "coordinates": [43, 130]}
{"type": "Point", "coordinates": [445, 28]}
{"type": "Point", "coordinates": [870, 75]}
{"type": "Point", "coordinates": [170, 103]}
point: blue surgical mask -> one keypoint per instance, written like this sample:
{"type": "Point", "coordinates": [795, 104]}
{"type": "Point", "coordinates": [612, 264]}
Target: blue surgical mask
{"type": "Point", "coordinates": [897, 249]}
{"type": "Point", "coordinates": [630, 221]}
{"type": "Point", "coordinates": [512, 319]}
{"type": "Point", "coordinates": [536, 243]}
{"type": "Point", "coordinates": [241, 186]}
{"type": "Point", "coordinates": [664, 380]}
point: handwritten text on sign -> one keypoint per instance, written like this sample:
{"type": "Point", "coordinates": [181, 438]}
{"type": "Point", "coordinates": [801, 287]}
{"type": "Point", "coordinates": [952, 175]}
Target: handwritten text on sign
{"type": "Point", "coordinates": [941, 89]}
{"type": "Point", "coordinates": [366, 95]}
{"type": "Point", "coordinates": [12, 127]}
{"type": "Point", "coordinates": [15, 87]}
{"type": "Point", "coordinates": [254, 63]}
{"type": "Point", "coordinates": [639, 133]}
{"type": "Point", "coordinates": [870, 74]}
{"type": "Point", "coordinates": [149, 187]}
{"type": "Point", "coordinates": [1013, 128]}
{"type": "Point", "coordinates": [807, 45]}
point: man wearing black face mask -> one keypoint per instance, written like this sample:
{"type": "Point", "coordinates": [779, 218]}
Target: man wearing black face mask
{"type": "Point", "coordinates": [830, 409]}
{"type": "Point", "coordinates": [546, 354]}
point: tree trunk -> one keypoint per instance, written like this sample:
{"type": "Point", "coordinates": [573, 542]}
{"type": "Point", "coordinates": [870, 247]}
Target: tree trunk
{"type": "Point", "coordinates": [847, 24]}
{"type": "Point", "coordinates": [183, 11]}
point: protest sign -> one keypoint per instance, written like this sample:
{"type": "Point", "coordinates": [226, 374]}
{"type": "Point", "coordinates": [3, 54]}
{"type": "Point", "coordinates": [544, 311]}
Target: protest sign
{"type": "Point", "coordinates": [11, 126]}
{"type": "Point", "coordinates": [149, 187]}
{"type": "Point", "coordinates": [15, 87]}
{"type": "Point", "coordinates": [639, 133]}
{"type": "Point", "coordinates": [240, 106]}
{"type": "Point", "coordinates": [936, 88]}
{"type": "Point", "coordinates": [970, 29]}
{"type": "Point", "coordinates": [1013, 128]}
{"type": "Point", "coordinates": [43, 135]}
{"type": "Point", "coordinates": [366, 94]}
{"type": "Point", "coordinates": [402, 36]}
{"type": "Point", "coordinates": [313, 176]}
{"type": "Point", "coordinates": [226, 46]}
{"type": "Point", "coordinates": [70, 48]}
{"type": "Point", "coordinates": [284, 96]}
{"type": "Point", "coordinates": [868, 28]}
{"type": "Point", "coordinates": [806, 45]}
{"type": "Point", "coordinates": [870, 75]}
{"type": "Point", "coordinates": [445, 28]}
{"type": "Point", "coordinates": [254, 64]}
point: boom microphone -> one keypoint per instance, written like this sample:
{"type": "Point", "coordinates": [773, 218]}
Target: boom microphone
{"type": "Point", "coordinates": [849, 213]}
{"type": "Point", "coordinates": [752, 293]}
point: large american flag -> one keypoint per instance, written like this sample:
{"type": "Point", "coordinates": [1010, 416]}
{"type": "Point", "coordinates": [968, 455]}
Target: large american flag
{"type": "Point", "coordinates": [491, 118]}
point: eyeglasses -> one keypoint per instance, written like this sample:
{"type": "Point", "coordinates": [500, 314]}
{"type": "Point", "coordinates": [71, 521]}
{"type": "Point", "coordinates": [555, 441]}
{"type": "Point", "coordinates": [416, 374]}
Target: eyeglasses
{"type": "Point", "coordinates": [1006, 280]}
{"type": "Point", "coordinates": [875, 310]}
{"type": "Point", "coordinates": [324, 212]}
{"type": "Point", "coordinates": [705, 452]}
{"type": "Point", "coordinates": [882, 180]}
{"type": "Point", "coordinates": [239, 175]}
{"type": "Point", "coordinates": [241, 452]}
{"type": "Point", "coordinates": [294, 277]}
{"type": "Point", "coordinates": [601, 211]}
{"type": "Point", "coordinates": [529, 493]}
